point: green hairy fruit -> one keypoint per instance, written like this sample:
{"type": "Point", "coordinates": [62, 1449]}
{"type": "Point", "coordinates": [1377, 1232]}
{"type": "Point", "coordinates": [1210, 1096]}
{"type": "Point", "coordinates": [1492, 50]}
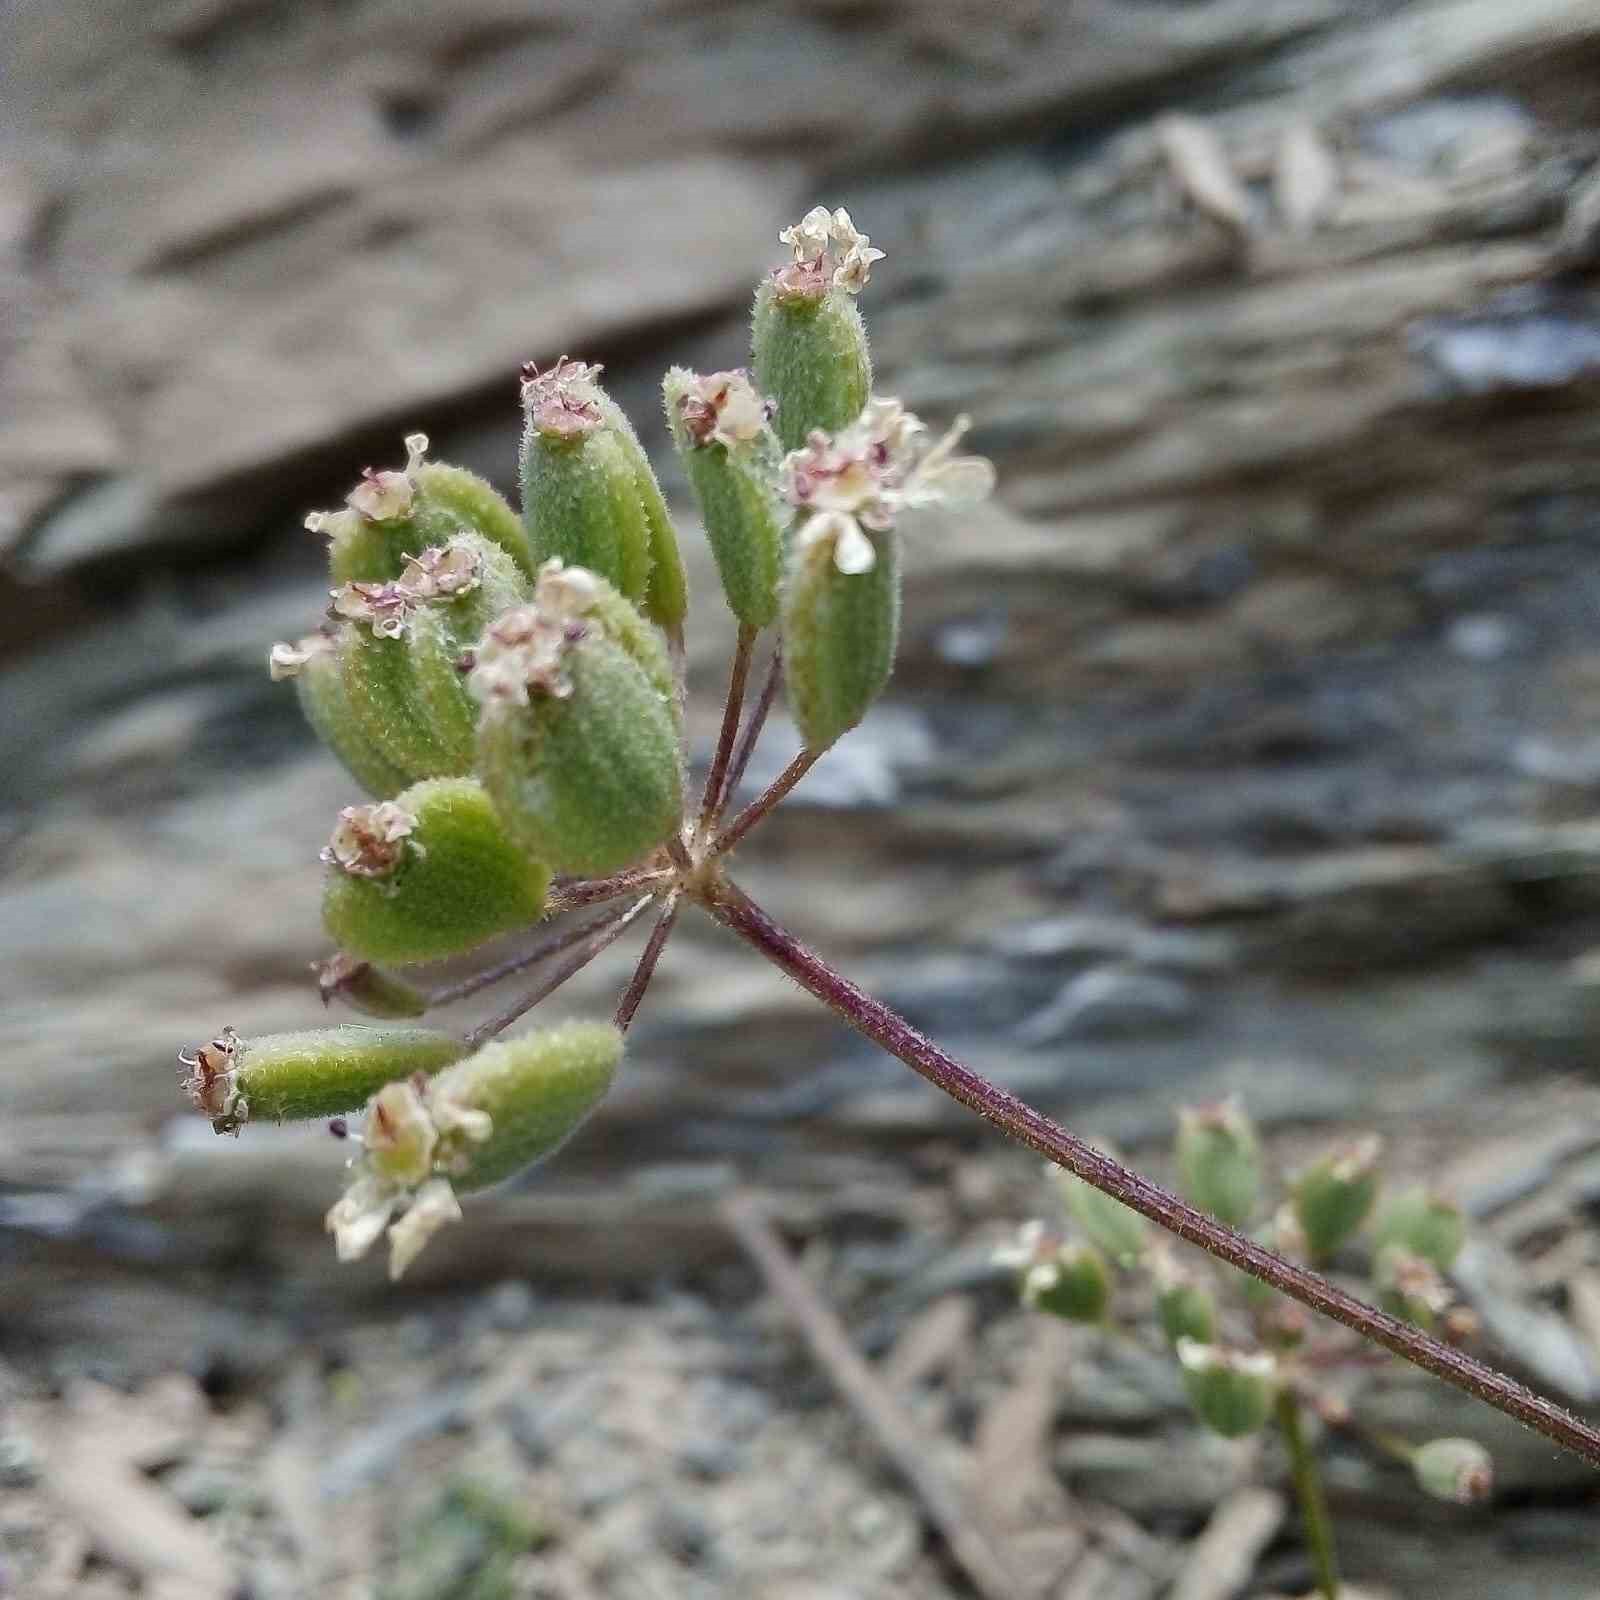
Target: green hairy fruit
{"type": "Point", "coordinates": [1231, 1390]}
{"type": "Point", "coordinates": [537, 1091]}
{"type": "Point", "coordinates": [315, 665]}
{"type": "Point", "coordinates": [666, 596]}
{"type": "Point", "coordinates": [840, 630]}
{"type": "Point", "coordinates": [1423, 1223]}
{"type": "Point", "coordinates": [809, 354]}
{"type": "Point", "coordinates": [430, 874]}
{"type": "Point", "coordinates": [1074, 1283]}
{"type": "Point", "coordinates": [1187, 1311]}
{"type": "Point", "coordinates": [590, 779]}
{"type": "Point", "coordinates": [730, 454]}
{"type": "Point", "coordinates": [1219, 1159]}
{"type": "Point", "coordinates": [1109, 1225]}
{"type": "Point", "coordinates": [391, 515]}
{"type": "Point", "coordinates": [316, 1072]}
{"type": "Point", "coordinates": [1334, 1196]}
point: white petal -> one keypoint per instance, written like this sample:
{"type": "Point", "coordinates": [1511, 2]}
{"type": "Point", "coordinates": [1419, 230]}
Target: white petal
{"type": "Point", "coordinates": [434, 1205]}
{"type": "Point", "coordinates": [853, 551]}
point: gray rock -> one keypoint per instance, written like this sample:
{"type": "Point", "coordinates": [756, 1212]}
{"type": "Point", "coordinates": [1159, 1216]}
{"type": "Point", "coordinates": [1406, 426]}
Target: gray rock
{"type": "Point", "coordinates": [1110, 1002]}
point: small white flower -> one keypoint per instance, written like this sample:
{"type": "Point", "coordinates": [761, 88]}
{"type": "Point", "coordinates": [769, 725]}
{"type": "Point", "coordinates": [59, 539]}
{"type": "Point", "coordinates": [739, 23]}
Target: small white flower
{"type": "Point", "coordinates": [864, 476]}
{"type": "Point", "coordinates": [525, 648]}
{"type": "Point", "coordinates": [1022, 1251]}
{"type": "Point", "coordinates": [563, 591]}
{"type": "Point", "coordinates": [828, 248]}
{"type": "Point", "coordinates": [563, 401]}
{"type": "Point", "coordinates": [723, 408]}
{"type": "Point", "coordinates": [1196, 1357]}
{"type": "Point", "coordinates": [360, 1214]}
{"type": "Point", "coordinates": [1038, 1281]}
{"type": "Point", "coordinates": [369, 841]}
{"type": "Point", "coordinates": [433, 1205]}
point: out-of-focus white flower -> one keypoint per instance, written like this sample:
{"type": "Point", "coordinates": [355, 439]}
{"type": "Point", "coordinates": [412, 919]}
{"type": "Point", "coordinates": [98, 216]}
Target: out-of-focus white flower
{"type": "Point", "coordinates": [288, 660]}
{"type": "Point", "coordinates": [433, 1205]}
{"type": "Point", "coordinates": [1024, 1250]}
{"type": "Point", "coordinates": [859, 480]}
{"type": "Point", "coordinates": [369, 841]}
{"type": "Point", "coordinates": [360, 1214]}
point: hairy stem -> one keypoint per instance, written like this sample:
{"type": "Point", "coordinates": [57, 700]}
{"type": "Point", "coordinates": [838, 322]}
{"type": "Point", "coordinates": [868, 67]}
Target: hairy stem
{"type": "Point", "coordinates": [752, 730]}
{"type": "Point", "coordinates": [735, 910]}
{"type": "Point", "coordinates": [764, 802]}
{"type": "Point", "coordinates": [645, 971]}
{"type": "Point", "coordinates": [569, 894]}
{"type": "Point", "coordinates": [551, 945]}
{"type": "Point", "coordinates": [711, 801]}
{"type": "Point", "coordinates": [1308, 1492]}
{"type": "Point", "coordinates": [610, 930]}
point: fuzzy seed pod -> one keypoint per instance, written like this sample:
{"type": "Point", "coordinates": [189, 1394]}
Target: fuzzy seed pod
{"type": "Point", "coordinates": [1232, 1391]}
{"type": "Point", "coordinates": [1073, 1283]}
{"type": "Point", "coordinates": [1110, 1225]}
{"type": "Point", "coordinates": [809, 355]}
{"type": "Point", "coordinates": [314, 664]}
{"type": "Point", "coordinates": [1334, 1196]}
{"type": "Point", "coordinates": [317, 1072]}
{"type": "Point", "coordinates": [366, 989]}
{"type": "Point", "coordinates": [590, 781]}
{"type": "Point", "coordinates": [666, 596]}
{"type": "Point", "coordinates": [402, 654]}
{"type": "Point", "coordinates": [1423, 1223]}
{"type": "Point", "coordinates": [391, 515]}
{"type": "Point", "coordinates": [430, 874]}
{"type": "Point", "coordinates": [581, 489]}
{"type": "Point", "coordinates": [510, 1104]}
{"type": "Point", "coordinates": [840, 630]}
{"type": "Point", "coordinates": [719, 424]}
{"type": "Point", "coordinates": [1458, 1470]}
{"type": "Point", "coordinates": [1219, 1160]}
{"type": "Point", "coordinates": [1187, 1310]}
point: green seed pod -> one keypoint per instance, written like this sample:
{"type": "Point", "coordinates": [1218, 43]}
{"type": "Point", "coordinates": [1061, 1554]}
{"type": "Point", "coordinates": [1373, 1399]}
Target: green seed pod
{"type": "Point", "coordinates": [1232, 1391]}
{"type": "Point", "coordinates": [1122, 1234]}
{"type": "Point", "coordinates": [512, 1103]}
{"type": "Point", "coordinates": [366, 989]}
{"type": "Point", "coordinates": [314, 665]}
{"type": "Point", "coordinates": [1423, 1223]}
{"type": "Point", "coordinates": [1074, 1283]}
{"type": "Point", "coordinates": [427, 875]}
{"type": "Point", "coordinates": [402, 657]}
{"type": "Point", "coordinates": [600, 605]}
{"type": "Point", "coordinates": [840, 630]}
{"type": "Point", "coordinates": [317, 1072]}
{"type": "Point", "coordinates": [1219, 1160]}
{"type": "Point", "coordinates": [1187, 1310]}
{"type": "Point", "coordinates": [1334, 1196]}
{"type": "Point", "coordinates": [720, 427]}
{"type": "Point", "coordinates": [389, 516]}
{"type": "Point", "coordinates": [580, 490]}
{"type": "Point", "coordinates": [1458, 1470]}
{"type": "Point", "coordinates": [577, 746]}
{"type": "Point", "coordinates": [809, 353]}
{"type": "Point", "coordinates": [666, 596]}
{"type": "Point", "coordinates": [441, 634]}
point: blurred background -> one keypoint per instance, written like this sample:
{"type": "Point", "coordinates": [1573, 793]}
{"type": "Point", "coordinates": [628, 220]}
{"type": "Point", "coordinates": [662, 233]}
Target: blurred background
{"type": "Point", "coordinates": [1247, 742]}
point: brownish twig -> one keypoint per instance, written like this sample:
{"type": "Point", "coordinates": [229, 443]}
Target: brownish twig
{"type": "Point", "coordinates": [711, 800]}
{"type": "Point", "coordinates": [896, 1432]}
{"type": "Point", "coordinates": [751, 736]}
{"type": "Point", "coordinates": [628, 1005]}
{"type": "Point", "coordinates": [608, 933]}
{"type": "Point", "coordinates": [764, 802]}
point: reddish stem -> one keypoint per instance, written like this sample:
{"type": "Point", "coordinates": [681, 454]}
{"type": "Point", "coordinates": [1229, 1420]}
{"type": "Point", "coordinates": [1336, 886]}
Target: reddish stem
{"type": "Point", "coordinates": [711, 801]}
{"type": "Point", "coordinates": [752, 729]}
{"type": "Point", "coordinates": [764, 802]}
{"type": "Point", "coordinates": [735, 910]}
{"type": "Point", "coordinates": [628, 1005]}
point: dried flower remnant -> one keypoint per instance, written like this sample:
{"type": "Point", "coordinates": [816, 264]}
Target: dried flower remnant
{"type": "Point", "coordinates": [724, 408]}
{"type": "Point", "coordinates": [441, 572]}
{"type": "Point", "coordinates": [861, 479]}
{"type": "Point", "coordinates": [563, 401]}
{"type": "Point", "coordinates": [369, 841]}
{"type": "Point", "coordinates": [828, 249]}
{"type": "Point", "coordinates": [524, 650]}
{"type": "Point", "coordinates": [387, 496]}
{"type": "Point", "coordinates": [209, 1072]}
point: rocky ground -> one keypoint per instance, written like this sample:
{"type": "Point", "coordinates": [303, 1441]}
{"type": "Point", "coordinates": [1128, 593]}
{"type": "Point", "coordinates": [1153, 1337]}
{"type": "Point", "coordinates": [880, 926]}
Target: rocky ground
{"type": "Point", "coordinates": [1245, 743]}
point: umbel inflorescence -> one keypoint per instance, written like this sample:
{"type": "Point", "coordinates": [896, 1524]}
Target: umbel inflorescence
{"type": "Point", "coordinates": [508, 689]}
